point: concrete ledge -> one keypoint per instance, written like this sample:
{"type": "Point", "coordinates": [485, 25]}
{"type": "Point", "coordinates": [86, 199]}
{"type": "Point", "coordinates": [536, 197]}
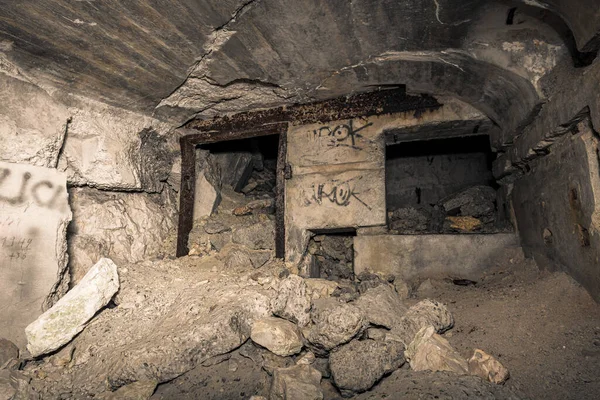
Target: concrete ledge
{"type": "Point", "coordinates": [414, 257]}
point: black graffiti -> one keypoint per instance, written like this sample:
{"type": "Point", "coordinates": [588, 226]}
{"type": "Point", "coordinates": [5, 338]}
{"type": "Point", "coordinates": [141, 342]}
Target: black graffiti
{"type": "Point", "coordinates": [341, 135]}
{"type": "Point", "coordinates": [44, 193]}
{"type": "Point", "coordinates": [339, 193]}
{"type": "Point", "coordinates": [18, 247]}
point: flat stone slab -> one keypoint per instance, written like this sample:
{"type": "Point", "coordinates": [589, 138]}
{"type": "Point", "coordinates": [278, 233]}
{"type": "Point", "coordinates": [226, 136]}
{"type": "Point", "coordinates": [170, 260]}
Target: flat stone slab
{"type": "Point", "coordinates": [34, 214]}
{"type": "Point", "coordinates": [57, 326]}
{"type": "Point", "coordinates": [411, 257]}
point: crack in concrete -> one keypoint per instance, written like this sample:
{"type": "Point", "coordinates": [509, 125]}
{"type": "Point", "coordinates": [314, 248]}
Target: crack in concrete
{"type": "Point", "coordinates": [437, 16]}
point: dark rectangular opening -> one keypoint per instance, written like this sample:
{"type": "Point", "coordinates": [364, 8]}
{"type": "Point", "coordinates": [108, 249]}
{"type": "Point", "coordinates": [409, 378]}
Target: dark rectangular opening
{"type": "Point", "coordinates": [331, 253]}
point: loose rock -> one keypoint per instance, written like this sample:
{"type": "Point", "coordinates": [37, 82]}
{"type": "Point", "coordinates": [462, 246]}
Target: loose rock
{"type": "Point", "coordinates": [300, 382]}
{"type": "Point", "coordinates": [292, 301]}
{"type": "Point", "coordinates": [487, 367]}
{"type": "Point", "coordinates": [278, 335]}
{"type": "Point", "coordinates": [70, 314]}
{"type": "Point", "coordinates": [431, 352]}
{"type": "Point", "coordinates": [141, 390]}
{"type": "Point", "coordinates": [382, 306]}
{"type": "Point", "coordinates": [358, 365]}
{"type": "Point", "coordinates": [334, 323]}
{"type": "Point", "coordinates": [8, 352]}
{"type": "Point", "coordinates": [421, 315]}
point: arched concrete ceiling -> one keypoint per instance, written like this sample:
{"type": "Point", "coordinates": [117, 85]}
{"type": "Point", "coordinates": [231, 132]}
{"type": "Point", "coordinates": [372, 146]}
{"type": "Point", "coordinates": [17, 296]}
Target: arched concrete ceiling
{"type": "Point", "coordinates": [184, 58]}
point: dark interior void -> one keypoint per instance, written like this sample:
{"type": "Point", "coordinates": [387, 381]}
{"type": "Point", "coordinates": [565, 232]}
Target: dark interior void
{"type": "Point", "coordinates": [332, 254]}
{"type": "Point", "coordinates": [249, 166]}
{"type": "Point", "coordinates": [442, 186]}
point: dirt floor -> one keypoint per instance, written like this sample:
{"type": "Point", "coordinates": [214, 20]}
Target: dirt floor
{"type": "Point", "coordinates": [542, 326]}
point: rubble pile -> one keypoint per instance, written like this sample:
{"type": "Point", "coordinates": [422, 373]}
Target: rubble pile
{"type": "Point", "coordinates": [175, 324]}
{"type": "Point", "coordinates": [472, 210]}
{"type": "Point", "coordinates": [333, 256]}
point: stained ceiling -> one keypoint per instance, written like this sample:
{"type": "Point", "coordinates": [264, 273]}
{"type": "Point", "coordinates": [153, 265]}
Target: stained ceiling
{"type": "Point", "coordinates": [179, 59]}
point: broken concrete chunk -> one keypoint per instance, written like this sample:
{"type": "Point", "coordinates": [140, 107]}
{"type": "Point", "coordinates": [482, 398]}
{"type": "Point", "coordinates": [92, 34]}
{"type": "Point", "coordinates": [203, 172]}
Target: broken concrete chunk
{"type": "Point", "coordinates": [464, 224]}
{"type": "Point", "coordinates": [300, 382]}
{"type": "Point", "coordinates": [487, 367]}
{"type": "Point", "coordinates": [334, 323]}
{"type": "Point", "coordinates": [8, 352]}
{"type": "Point", "coordinates": [358, 365]}
{"type": "Point", "coordinates": [277, 335]}
{"type": "Point", "coordinates": [431, 352]}
{"type": "Point", "coordinates": [7, 387]}
{"type": "Point", "coordinates": [207, 197]}
{"type": "Point", "coordinates": [292, 301]}
{"type": "Point", "coordinates": [409, 220]}
{"type": "Point", "coordinates": [423, 314]}
{"type": "Point", "coordinates": [382, 306]}
{"type": "Point", "coordinates": [256, 206]}
{"type": "Point", "coordinates": [476, 201]}
{"type": "Point", "coordinates": [306, 359]}
{"type": "Point", "coordinates": [320, 288]}
{"type": "Point", "coordinates": [236, 168]}
{"type": "Point", "coordinates": [259, 236]}
{"type": "Point", "coordinates": [70, 314]}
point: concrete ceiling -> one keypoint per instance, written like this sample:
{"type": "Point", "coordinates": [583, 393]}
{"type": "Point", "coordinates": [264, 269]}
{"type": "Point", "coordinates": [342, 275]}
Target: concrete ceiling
{"type": "Point", "coordinates": [179, 59]}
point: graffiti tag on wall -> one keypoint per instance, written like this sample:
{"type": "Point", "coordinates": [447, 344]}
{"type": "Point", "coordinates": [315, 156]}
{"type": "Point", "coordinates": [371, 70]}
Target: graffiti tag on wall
{"type": "Point", "coordinates": [340, 193]}
{"type": "Point", "coordinates": [21, 188]}
{"type": "Point", "coordinates": [342, 135]}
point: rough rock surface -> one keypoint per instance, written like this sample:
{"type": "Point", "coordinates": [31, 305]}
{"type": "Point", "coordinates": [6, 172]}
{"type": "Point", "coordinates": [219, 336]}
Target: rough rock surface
{"type": "Point", "coordinates": [476, 201]}
{"type": "Point", "coordinates": [382, 306]}
{"type": "Point", "coordinates": [141, 390]}
{"type": "Point", "coordinates": [320, 288]}
{"type": "Point", "coordinates": [171, 316]}
{"type": "Point", "coordinates": [414, 385]}
{"type": "Point", "coordinates": [8, 352]}
{"type": "Point", "coordinates": [32, 124]}
{"type": "Point", "coordinates": [487, 367]}
{"type": "Point", "coordinates": [126, 227]}
{"type": "Point", "coordinates": [71, 313]}
{"type": "Point", "coordinates": [358, 365]}
{"type": "Point", "coordinates": [423, 314]}
{"type": "Point", "coordinates": [259, 236]}
{"type": "Point", "coordinates": [333, 323]}
{"type": "Point", "coordinates": [208, 184]}
{"type": "Point", "coordinates": [292, 301]}
{"type": "Point", "coordinates": [431, 352]}
{"type": "Point", "coordinates": [278, 335]}
{"type": "Point", "coordinates": [300, 382]}
{"type": "Point", "coordinates": [103, 147]}
{"type": "Point", "coordinates": [409, 220]}
{"type": "Point", "coordinates": [236, 168]}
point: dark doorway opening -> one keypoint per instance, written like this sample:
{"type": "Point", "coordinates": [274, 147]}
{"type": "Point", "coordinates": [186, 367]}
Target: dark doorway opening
{"type": "Point", "coordinates": [442, 186]}
{"type": "Point", "coordinates": [332, 254]}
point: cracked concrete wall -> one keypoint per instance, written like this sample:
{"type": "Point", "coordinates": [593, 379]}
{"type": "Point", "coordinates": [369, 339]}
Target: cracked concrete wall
{"type": "Point", "coordinates": [121, 162]}
{"type": "Point", "coordinates": [557, 208]}
{"type": "Point", "coordinates": [338, 172]}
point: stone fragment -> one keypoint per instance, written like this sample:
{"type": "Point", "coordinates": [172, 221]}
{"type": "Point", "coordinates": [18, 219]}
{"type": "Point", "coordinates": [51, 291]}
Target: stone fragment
{"type": "Point", "coordinates": [254, 207]}
{"type": "Point", "coordinates": [34, 215]}
{"type": "Point", "coordinates": [423, 314]}
{"type": "Point", "coordinates": [487, 367]}
{"type": "Point", "coordinates": [382, 306]}
{"type": "Point", "coordinates": [292, 301]}
{"type": "Point", "coordinates": [7, 387]}
{"type": "Point", "coordinates": [409, 220]}
{"type": "Point", "coordinates": [207, 197]}
{"type": "Point", "coordinates": [334, 323]}
{"type": "Point", "coordinates": [464, 224]}
{"type": "Point", "coordinates": [300, 382]}
{"type": "Point", "coordinates": [476, 201]}
{"type": "Point", "coordinates": [320, 288]}
{"type": "Point", "coordinates": [259, 236]}
{"type": "Point", "coordinates": [278, 335]}
{"type": "Point", "coordinates": [8, 352]}
{"type": "Point", "coordinates": [306, 359]}
{"type": "Point", "coordinates": [358, 365]}
{"type": "Point", "coordinates": [431, 352]}
{"type": "Point", "coordinates": [141, 390]}
{"type": "Point", "coordinates": [236, 168]}
{"type": "Point", "coordinates": [70, 314]}
{"type": "Point", "coordinates": [402, 288]}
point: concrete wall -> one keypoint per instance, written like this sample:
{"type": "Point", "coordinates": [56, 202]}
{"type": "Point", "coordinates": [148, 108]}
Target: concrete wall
{"type": "Point", "coordinates": [418, 257]}
{"type": "Point", "coordinates": [412, 181]}
{"type": "Point", "coordinates": [34, 214]}
{"type": "Point", "coordinates": [557, 206]}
